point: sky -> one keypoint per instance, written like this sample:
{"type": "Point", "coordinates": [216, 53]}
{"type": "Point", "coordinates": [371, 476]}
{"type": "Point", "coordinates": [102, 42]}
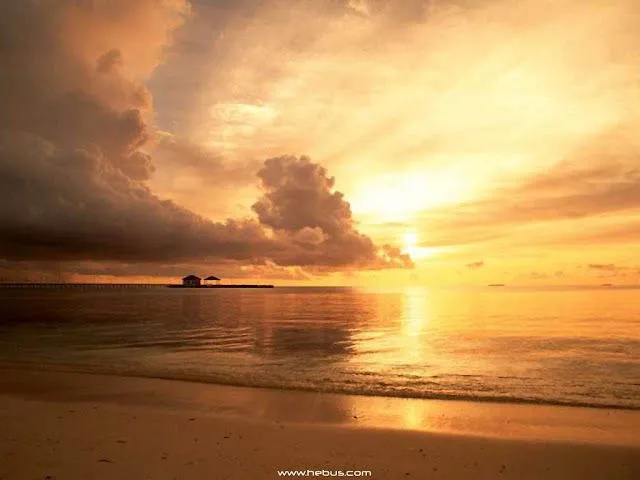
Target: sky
{"type": "Point", "coordinates": [333, 142]}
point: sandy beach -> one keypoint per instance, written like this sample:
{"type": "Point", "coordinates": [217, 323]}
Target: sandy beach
{"type": "Point", "coordinates": [78, 426]}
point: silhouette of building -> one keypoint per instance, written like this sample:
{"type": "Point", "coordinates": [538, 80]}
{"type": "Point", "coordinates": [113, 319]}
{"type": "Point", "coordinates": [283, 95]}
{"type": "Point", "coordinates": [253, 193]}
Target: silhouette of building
{"type": "Point", "coordinates": [212, 278]}
{"type": "Point", "coordinates": [191, 281]}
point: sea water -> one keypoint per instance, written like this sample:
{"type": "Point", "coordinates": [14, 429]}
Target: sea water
{"type": "Point", "coordinates": [571, 346]}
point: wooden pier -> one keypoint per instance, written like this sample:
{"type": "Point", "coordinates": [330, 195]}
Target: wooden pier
{"type": "Point", "coordinates": [80, 286]}
{"type": "Point", "coordinates": [220, 286]}
{"type": "Point", "coordinates": [113, 286]}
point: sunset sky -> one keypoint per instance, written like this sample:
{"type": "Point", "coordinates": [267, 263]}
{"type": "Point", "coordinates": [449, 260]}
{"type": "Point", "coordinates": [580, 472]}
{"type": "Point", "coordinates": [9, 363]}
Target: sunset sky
{"type": "Point", "coordinates": [325, 142]}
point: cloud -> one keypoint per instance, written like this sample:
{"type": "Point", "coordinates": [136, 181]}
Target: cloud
{"type": "Point", "coordinates": [475, 265]}
{"type": "Point", "coordinates": [491, 99]}
{"type": "Point", "coordinates": [299, 194]}
{"type": "Point", "coordinates": [596, 182]}
{"type": "Point", "coordinates": [181, 156]}
{"type": "Point", "coordinates": [601, 190]}
{"type": "Point", "coordinates": [599, 266]}
{"type": "Point", "coordinates": [65, 80]}
{"type": "Point", "coordinates": [201, 178]}
{"type": "Point", "coordinates": [536, 276]}
{"type": "Point", "coordinates": [304, 211]}
{"type": "Point", "coordinates": [76, 204]}
{"type": "Point", "coordinates": [163, 272]}
{"type": "Point", "coordinates": [61, 204]}
{"type": "Point", "coordinates": [75, 162]}
{"type": "Point", "coordinates": [610, 270]}
{"type": "Point", "coordinates": [71, 271]}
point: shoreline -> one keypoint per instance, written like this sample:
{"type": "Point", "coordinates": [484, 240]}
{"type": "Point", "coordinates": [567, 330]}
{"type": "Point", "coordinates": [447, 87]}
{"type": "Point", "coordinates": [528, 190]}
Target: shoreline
{"type": "Point", "coordinates": [525, 421]}
{"type": "Point", "coordinates": [90, 370]}
{"type": "Point", "coordinates": [77, 425]}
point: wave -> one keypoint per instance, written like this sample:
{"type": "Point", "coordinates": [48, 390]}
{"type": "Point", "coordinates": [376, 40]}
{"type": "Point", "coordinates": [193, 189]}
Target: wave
{"type": "Point", "coordinates": [344, 388]}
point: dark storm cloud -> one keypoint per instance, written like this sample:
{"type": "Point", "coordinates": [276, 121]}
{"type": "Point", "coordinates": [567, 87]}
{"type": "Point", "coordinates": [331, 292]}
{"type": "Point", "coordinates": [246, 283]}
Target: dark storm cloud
{"type": "Point", "coordinates": [63, 204]}
{"type": "Point", "coordinates": [73, 164]}
{"type": "Point", "coordinates": [66, 204]}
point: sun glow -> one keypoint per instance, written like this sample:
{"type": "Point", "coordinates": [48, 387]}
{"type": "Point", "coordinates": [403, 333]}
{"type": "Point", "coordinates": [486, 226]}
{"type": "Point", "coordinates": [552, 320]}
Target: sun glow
{"type": "Point", "coordinates": [399, 197]}
{"type": "Point", "coordinates": [430, 119]}
{"type": "Point", "coordinates": [414, 250]}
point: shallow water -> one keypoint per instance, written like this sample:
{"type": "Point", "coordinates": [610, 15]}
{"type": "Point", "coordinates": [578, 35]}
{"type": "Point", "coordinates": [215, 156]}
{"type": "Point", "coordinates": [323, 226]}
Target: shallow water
{"type": "Point", "coordinates": [556, 346]}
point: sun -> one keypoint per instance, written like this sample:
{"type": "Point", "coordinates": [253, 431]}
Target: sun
{"type": "Point", "coordinates": [410, 240]}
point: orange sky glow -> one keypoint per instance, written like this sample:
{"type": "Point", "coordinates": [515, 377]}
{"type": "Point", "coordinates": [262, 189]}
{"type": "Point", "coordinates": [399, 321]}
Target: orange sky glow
{"type": "Point", "coordinates": [489, 141]}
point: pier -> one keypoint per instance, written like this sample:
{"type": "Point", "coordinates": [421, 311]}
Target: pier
{"type": "Point", "coordinates": [220, 286]}
{"type": "Point", "coordinates": [113, 286]}
{"type": "Point", "coordinates": [80, 286]}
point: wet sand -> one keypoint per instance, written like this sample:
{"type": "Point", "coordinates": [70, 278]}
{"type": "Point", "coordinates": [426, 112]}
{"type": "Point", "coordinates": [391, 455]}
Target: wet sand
{"type": "Point", "coordinates": [79, 426]}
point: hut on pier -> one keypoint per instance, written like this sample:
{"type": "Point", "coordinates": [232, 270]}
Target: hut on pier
{"type": "Point", "coordinates": [191, 281]}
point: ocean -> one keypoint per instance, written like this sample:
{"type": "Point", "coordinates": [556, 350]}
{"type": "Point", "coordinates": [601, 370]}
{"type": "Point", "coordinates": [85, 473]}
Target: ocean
{"type": "Point", "coordinates": [560, 346]}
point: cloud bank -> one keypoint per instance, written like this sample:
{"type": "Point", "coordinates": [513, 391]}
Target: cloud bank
{"type": "Point", "coordinates": [75, 164]}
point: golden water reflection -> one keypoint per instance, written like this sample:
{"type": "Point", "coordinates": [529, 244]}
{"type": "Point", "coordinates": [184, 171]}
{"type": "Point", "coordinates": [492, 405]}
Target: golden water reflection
{"type": "Point", "coordinates": [401, 337]}
{"type": "Point", "coordinates": [578, 347]}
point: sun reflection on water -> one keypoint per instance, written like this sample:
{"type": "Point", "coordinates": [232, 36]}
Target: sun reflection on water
{"type": "Point", "coordinates": [415, 317]}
